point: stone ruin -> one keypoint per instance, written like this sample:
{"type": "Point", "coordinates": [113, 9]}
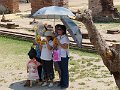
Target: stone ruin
{"type": "Point", "coordinates": [9, 6]}
{"type": "Point", "coordinates": [104, 11]}
{"type": "Point", "coordinates": [37, 4]}
{"type": "Point", "coordinates": [12, 6]}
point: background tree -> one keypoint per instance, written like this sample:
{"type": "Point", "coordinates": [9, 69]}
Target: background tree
{"type": "Point", "coordinates": [110, 56]}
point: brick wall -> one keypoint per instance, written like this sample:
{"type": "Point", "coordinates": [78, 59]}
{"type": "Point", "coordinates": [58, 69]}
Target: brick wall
{"type": "Point", "coordinates": [11, 5]}
{"type": "Point", "coordinates": [37, 4]}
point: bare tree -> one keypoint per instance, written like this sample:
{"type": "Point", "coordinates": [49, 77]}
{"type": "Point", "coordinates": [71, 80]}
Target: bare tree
{"type": "Point", "coordinates": [110, 56]}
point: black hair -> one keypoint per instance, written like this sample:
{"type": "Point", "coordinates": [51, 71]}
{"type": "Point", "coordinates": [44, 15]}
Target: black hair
{"type": "Point", "coordinates": [32, 53]}
{"type": "Point", "coordinates": [58, 25]}
{"type": "Point", "coordinates": [63, 28]}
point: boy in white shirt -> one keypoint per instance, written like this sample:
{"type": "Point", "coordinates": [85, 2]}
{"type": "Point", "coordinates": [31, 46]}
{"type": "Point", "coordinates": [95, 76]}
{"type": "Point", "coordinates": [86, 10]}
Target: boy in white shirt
{"type": "Point", "coordinates": [46, 56]}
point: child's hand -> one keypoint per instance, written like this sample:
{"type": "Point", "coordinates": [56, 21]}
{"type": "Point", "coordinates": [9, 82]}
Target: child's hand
{"type": "Point", "coordinates": [40, 64]}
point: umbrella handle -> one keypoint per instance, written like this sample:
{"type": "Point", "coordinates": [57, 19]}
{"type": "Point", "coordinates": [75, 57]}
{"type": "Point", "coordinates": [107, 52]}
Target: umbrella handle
{"type": "Point", "coordinates": [54, 24]}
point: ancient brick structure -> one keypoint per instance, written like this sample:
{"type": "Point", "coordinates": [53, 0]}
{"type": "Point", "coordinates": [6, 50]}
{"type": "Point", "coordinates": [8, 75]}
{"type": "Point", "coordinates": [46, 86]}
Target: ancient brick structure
{"type": "Point", "coordinates": [95, 6]}
{"type": "Point", "coordinates": [11, 5]}
{"type": "Point", "coordinates": [37, 4]}
{"type": "Point", "coordinates": [104, 11]}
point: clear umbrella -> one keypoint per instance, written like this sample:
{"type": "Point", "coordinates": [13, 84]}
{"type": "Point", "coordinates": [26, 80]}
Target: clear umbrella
{"type": "Point", "coordinates": [53, 12]}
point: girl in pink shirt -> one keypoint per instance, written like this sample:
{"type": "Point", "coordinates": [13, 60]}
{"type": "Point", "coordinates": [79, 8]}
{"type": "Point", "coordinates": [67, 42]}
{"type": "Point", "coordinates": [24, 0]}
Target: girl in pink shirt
{"type": "Point", "coordinates": [32, 66]}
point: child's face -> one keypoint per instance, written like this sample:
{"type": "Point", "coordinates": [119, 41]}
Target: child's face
{"type": "Point", "coordinates": [48, 38]}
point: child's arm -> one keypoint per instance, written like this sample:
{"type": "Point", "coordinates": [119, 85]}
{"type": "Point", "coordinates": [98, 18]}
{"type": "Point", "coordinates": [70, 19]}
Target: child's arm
{"type": "Point", "coordinates": [38, 63]}
{"type": "Point", "coordinates": [40, 46]}
{"type": "Point", "coordinates": [48, 45]}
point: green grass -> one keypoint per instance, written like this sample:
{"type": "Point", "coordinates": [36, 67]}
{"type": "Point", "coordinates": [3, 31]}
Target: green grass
{"type": "Point", "coordinates": [83, 52]}
{"type": "Point", "coordinates": [82, 83]}
{"type": "Point", "coordinates": [118, 7]}
{"type": "Point", "coordinates": [13, 53]}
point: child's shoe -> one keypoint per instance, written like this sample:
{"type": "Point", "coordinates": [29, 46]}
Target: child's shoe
{"type": "Point", "coordinates": [40, 83]}
{"type": "Point", "coordinates": [50, 85]}
{"type": "Point", "coordinates": [44, 84]}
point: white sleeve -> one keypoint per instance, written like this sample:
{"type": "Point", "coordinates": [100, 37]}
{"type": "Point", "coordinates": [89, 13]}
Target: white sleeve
{"type": "Point", "coordinates": [65, 40]}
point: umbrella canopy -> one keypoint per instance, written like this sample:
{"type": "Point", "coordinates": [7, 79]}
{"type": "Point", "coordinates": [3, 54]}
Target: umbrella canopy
{"type": "Point", "coordinates": [73, 29]}
{"type": "Point", "coordinates": [53, 12]}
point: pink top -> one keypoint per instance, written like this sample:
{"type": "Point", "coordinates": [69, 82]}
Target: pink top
{"type": "Point", "coordinates": [32, 70]}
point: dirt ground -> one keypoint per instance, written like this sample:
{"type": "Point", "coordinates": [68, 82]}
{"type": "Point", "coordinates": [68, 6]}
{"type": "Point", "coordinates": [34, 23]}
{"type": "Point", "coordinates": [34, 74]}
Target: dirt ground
{"type": "Point", "coordinates": [23, 22]}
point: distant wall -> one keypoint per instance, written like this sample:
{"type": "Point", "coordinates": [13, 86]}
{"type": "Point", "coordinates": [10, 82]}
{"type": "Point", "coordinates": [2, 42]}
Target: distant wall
{"type": "Point", "coordinates": [95, 6]}
{"type": "Point", "coordinates": [11, 5]}
{"type": "Point", "coordinates": [37, 4]}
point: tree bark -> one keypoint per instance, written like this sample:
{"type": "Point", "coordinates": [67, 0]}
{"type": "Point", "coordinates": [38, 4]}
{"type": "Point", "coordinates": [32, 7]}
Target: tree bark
{"type": "Point", "coordinates": [110, 56]}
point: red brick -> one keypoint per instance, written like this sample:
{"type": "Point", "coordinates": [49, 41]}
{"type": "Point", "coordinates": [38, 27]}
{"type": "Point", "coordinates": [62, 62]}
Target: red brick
{"type": "Point", "coordinates": [12, 5]}
{"type": "Point", "coordinates": [37, 4]}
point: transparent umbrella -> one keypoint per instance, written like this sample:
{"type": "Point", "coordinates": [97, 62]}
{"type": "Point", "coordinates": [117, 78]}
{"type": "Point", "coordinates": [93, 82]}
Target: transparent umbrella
{"type": "Point", "coordinates": [53, 12]}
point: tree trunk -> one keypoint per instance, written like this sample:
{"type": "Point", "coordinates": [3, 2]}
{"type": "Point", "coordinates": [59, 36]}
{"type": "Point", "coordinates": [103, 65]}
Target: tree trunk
{"type": "Point", "coordinates": [110, 56]}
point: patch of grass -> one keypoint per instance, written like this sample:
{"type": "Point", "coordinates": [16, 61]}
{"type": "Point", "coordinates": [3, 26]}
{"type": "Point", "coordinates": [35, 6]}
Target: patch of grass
{"type": "Point", "coordinates": [96, 67]}
{"type": "Point", "coordinates": [73, 62]}
{"type": "Point", "coordinates": [71, 57]}
{"type": "Point", "coordinates": [94, 89]}
{"type": "Point", "coordinates": [82, 83]}
{"type": "Point", "coordinates": [118, 7]}
{"type": "Point", "coordinates": [97, 60]}
{"type": "Point", "coordinates": [13, 53]}
{"type": "Point", "coordinates": [83, 61]}
{"type": "Point", "coordinates": [83, 53]}
{"type": "Point", "coordinates": [74, 69]}
{"type": "Point", "coordinates": [105, 71]}
{"type": "Point", "coordinates": [87, 73]}
{"type": "Point", "coordinates": [89, 64]}
{"type": "Point", "coordinates": [72, 79]}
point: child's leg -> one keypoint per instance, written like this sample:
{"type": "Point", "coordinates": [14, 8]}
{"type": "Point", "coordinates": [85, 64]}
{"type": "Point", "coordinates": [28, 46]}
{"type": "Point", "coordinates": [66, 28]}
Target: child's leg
{"type": "Point", "coordinates": [45, 73]}
{"type": "Point", "coordinates": [27, 83]}
{"type": "Point", "coordinates": [50, 72]}
{"type": "Point", "coordinates": [37, 81]}
{"type": "Point", "coordinates": [51, 83]}
{"type": "Point", "coordinates": [59, 72]}
{"type": "Point", "coordinates": [30, 83]}
{"type": "Point", "coordinates": [40, 69]}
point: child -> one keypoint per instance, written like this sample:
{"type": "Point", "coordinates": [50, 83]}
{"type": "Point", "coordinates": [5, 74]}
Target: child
{"type": "Point", "coordinates": [46, 56]}
{"type": "Point", "coordinates": [38, 53]}
{"type": "Point", "coordinates": [56, 66]}
{"type": "Point", "coordinates": [32, 68]}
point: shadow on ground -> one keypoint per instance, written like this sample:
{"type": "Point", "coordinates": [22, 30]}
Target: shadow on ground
{"type": "Point", "coordinates": [20, 86]}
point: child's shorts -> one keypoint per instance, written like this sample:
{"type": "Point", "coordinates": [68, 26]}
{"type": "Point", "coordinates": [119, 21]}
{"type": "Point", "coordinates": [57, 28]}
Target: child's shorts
{"type": "Point", "coordinates": [48, 69]}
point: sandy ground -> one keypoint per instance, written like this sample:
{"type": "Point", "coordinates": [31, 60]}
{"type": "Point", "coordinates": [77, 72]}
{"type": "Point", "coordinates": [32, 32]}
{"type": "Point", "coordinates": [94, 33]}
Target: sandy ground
{"type": "Point", "coordinates": [14, 79]}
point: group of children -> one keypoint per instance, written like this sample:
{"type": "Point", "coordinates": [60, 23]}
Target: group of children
{"type": "Point", "coordinates": [52, 50]}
